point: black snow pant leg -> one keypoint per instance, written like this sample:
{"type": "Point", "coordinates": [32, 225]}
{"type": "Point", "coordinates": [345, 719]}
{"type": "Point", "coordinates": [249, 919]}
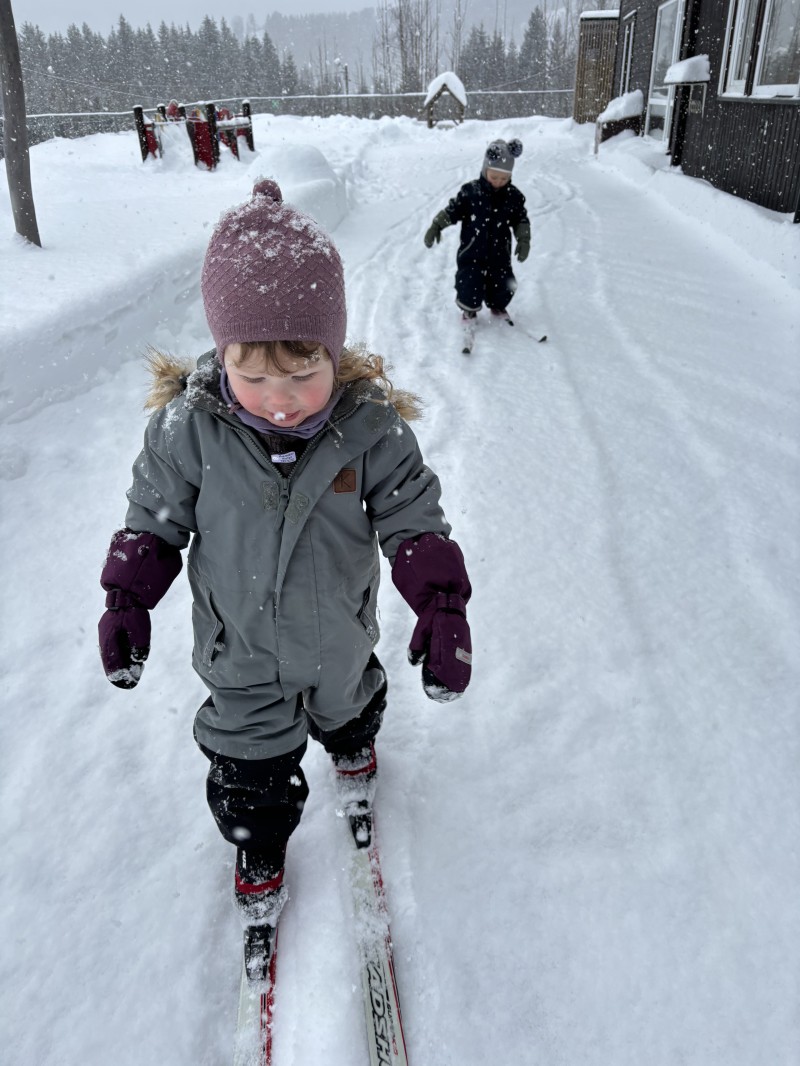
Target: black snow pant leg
{"type": "Point", "coordinates": [470, 283]}
{"type": "Point", "coordinates": [257, 803]}
{"type": "Point", "coordinates": [360, 731]}
{"type": "Point", "coordinates": [500, 286]}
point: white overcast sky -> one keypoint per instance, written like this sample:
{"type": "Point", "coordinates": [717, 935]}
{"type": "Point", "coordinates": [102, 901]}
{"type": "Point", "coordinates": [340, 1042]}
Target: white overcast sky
{"type": "Point", "coordinates": [53, 15]}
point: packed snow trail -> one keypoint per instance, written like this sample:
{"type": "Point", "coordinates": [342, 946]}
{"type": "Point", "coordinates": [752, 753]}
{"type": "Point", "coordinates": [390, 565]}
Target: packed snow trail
{"type": "Point", "coordinates": [596, 846]}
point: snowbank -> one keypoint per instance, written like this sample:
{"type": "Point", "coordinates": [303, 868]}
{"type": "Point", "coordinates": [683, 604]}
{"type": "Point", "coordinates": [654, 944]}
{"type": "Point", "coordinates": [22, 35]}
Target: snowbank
{"type": "Point", "coordinates": [768, 238]}
{"type": "Point", "coordinates": [113, 277]}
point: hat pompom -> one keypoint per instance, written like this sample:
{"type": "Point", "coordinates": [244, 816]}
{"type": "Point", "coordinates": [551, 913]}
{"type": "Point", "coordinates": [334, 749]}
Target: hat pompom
{"type": "Point", "coordinates": [494, 151]}
{"type": "Point", "coordinates": [515, 148]}
{"type": "Point", "coordinates": [269, 188]}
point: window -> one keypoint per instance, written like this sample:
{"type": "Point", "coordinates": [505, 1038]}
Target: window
{"type": "Point", "coordinates": [666, 46]}
{"type": "Point", "coordinates": [628, 29]}
{"type": "Point", "coordinates": [762, 49]}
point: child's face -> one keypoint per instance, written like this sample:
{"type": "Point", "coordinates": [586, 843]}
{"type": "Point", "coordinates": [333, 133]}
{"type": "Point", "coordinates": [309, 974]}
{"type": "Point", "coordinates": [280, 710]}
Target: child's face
{"type": "Point", "coordinates": [497, 178]}
{"type": "Point", "coordinates": [283, 399]}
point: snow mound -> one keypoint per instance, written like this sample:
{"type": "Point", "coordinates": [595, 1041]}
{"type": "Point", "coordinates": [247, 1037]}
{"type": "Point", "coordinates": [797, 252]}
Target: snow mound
{"type": "Point", "coordinates": [307, 181]}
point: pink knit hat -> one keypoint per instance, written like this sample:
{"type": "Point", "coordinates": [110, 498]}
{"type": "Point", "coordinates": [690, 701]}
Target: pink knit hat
{"type": "Point", "coordinates": [272, 274]}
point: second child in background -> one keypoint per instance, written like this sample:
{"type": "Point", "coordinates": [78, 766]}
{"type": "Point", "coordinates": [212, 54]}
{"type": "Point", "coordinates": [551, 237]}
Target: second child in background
{"type": "Point", "coordinates": [490, 209]}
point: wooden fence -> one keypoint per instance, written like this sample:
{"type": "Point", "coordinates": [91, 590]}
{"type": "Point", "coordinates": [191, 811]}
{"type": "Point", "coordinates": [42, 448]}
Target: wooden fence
{"type": "Point", "coordinates": [484, 105]}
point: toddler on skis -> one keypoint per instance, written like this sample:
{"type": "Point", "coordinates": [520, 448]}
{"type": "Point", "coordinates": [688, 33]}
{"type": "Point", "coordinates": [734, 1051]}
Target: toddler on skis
{"type": "Point", "coordinates": [283, 461]}
{"type": "Point", "coordinates": [489, 209]}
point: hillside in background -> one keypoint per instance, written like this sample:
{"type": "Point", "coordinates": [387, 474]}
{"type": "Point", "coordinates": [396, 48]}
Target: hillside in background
{"type": "Point", "coordinates": [313, 39]}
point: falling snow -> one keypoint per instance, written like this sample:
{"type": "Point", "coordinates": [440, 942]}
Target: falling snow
{"type": "Point", "coordinates": [610, 815]}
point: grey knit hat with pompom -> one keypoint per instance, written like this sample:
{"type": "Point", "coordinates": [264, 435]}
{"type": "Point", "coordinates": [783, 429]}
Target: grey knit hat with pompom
{"type": "Point", "coordinates": [271, 273]}
{"type": "Point", "coordinates": [500, 155]}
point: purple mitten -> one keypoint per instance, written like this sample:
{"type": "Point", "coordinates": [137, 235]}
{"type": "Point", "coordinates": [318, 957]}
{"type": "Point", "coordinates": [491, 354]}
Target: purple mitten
{"type": "Point", "coordinates": [142, 564]}
{"type": "Point", "coordinates": [124, 642]}
{"type": "Point", "coordinates": [431, 576]}
{"type": "Point", "coordinates": [139, 569]}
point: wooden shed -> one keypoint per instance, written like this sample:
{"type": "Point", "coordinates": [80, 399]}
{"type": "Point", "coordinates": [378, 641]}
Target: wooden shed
{"type": "Point", "coordinates": [445, 100]}
{"type": "Point", "coordinates": [594, 74]}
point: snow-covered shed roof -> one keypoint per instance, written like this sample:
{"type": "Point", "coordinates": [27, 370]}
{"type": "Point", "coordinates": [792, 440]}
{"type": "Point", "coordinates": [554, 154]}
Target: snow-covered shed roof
{"type": "Point", "coordinates": [610, 13]}
{"type": "Point", "coordinates": [450, 81]}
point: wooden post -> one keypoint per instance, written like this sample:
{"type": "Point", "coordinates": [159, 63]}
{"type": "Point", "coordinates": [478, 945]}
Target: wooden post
{"type": "Point", "coordinates": [138, 118]}
{"type": "Point", "coordinates": [191, 131]}
{"type": "Point", "coordinates": [211, 119]}
{"type": "Point", "coordinates": [18, 162]}
{"type": "Point", "coordinates": [248, 114]}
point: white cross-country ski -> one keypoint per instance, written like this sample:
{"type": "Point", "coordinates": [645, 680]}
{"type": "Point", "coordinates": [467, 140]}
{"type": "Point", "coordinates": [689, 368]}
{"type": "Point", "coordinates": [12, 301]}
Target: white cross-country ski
{"type": "Point", "coordinates": [468, 331]}
{"type": "Point", "coordinates": [257, 998]}
{"type": "Point", "coordinates": [504, 316]}
{"type": "Point", "coordinates": [385, 1039]}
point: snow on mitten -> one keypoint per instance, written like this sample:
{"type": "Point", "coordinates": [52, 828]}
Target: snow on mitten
{"type": "Point", "coordinates": [124, 633]}
{"type": "Point", "coordinates": [430, 574]}
{"type": "Point", "coordinates": [442, 643]}
{"type": "Point", "coordinates": [138, 570]}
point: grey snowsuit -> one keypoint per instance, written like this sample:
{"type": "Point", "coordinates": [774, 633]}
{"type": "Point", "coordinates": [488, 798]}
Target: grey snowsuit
{"type": "Point", "coordinates": [284, 571]}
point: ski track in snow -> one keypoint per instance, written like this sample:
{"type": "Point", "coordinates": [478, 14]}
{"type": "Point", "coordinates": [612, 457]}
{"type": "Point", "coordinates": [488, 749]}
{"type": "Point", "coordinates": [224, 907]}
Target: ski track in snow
{"type": "Point", "coordinates": [595, 849]}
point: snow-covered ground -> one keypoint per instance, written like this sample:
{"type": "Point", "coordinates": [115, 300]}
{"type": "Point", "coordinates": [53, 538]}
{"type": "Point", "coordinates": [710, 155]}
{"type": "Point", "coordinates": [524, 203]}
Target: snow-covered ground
{"type": "Point", "coordinates": [592, 857]}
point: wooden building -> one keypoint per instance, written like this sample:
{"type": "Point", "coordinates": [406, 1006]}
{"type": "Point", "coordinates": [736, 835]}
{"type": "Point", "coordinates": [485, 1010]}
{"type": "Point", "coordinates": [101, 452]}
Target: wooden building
{"type": "Point", "coordinates": [741, 130]}
{"type": "Point", "coordinates": [594, 73]}
{"type": "Point", "coordinates": [446, 100]}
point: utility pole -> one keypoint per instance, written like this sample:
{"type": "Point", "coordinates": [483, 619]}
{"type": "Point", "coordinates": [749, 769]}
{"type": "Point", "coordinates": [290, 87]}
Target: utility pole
{"type": "Point", "coordinates": [18, 164]}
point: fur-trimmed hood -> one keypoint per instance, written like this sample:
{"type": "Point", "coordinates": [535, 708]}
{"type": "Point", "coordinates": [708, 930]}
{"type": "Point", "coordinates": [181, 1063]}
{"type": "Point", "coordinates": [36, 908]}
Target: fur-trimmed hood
{"type": "Point", "coordinates": [283, 565]}
{"type": "Point", "coordinates": [172, 375]}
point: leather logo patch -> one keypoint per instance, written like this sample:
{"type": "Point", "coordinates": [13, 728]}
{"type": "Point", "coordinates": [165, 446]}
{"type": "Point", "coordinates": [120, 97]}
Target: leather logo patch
{"type": "Point", "coordinates": [345, 480]}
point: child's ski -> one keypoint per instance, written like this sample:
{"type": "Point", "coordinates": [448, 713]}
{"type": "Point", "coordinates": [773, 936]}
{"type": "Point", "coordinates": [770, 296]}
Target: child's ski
{"type": "Point", "coordinates": [468, 328]}
{"type": "Point", "coordinates": [504, 316]}
{"type": "Point", "coordinates": [257, 998]}
{"type": "Point", "coordinates": [381, 1001]}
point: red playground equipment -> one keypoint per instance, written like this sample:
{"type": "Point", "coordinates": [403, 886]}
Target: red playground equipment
{"type": "Point", "coordinates": [207, 126]}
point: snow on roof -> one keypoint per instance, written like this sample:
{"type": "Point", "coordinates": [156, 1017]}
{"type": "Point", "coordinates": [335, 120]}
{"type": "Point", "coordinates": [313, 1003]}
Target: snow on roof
{"type": "Point", "coordinates": [452, 82]}
{"type": "Point", "coordinates": [611, 13]}
{"type": "Point", "coordinates": [626, 106]}
{"type": "Point", "coordinates": [695, 68]}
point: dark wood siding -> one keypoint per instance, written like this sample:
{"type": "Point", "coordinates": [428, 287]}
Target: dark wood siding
{"type": "Point", "coordinates": [751, 150]}
{"type": "Point", "coordinates": [747, 147]}
{"type": "Point", "coordinates": [642, 59]}
{"type": "Point", "coordinates": [594, 74]}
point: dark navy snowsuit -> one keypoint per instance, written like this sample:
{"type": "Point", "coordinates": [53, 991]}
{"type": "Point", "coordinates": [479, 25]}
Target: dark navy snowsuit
{"type": "Point", "coordinates": [483, 261]}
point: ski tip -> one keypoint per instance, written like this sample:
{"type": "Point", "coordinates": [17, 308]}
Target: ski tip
{"type": "Point", "coordinates": [543, 339]}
